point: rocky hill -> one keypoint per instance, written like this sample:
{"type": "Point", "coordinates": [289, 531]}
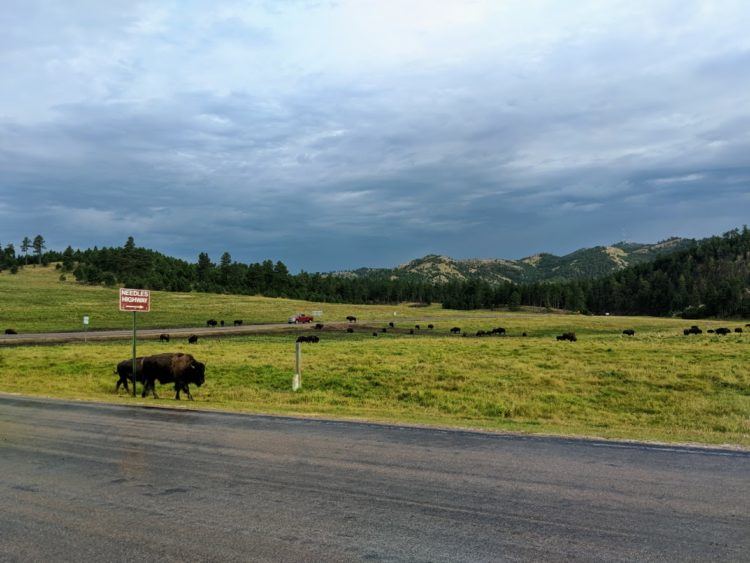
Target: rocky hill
{"type": "Point", "coordinates": [584, 263]}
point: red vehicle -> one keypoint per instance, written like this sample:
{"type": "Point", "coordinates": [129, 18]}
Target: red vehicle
{"type": "Point", "coordinates": [300, 318]}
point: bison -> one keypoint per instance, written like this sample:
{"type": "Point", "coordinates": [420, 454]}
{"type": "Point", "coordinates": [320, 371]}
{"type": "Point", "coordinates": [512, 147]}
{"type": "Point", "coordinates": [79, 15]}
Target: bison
{"type": "Point", "coordinates": [383, 330]}
{"type": "Point", "coordinates": [710, 331]}
{"type": "Point", "coordinates": [391, 325]}
{"type": "Point", "coordinates": [351, 319]}
{"type": "Point", "coordinates": [738, 329]}
{"type": "Point", "coordinates": [193, 339]}
{"type": "Point", "coordinates": [455, 330]}
{"type": "Point", "coordinates": [411, 331]}
{"type": "Point", "coordinates": [524, 334]}
{"type": "Point", "coordinates": [692, 330]}
{"type": "Point", "coordinates": [10, 331]}
{"type": "Point", "coordinates": [350, 330]}
{"type": "Point", "coordinates": [430, 326]}
{"type": "Point", "coordinates": [178, 368]}
{"type": "Point", "coordinates": [237, 322]}
{"type": "Point", "coordinates": [374, 333]}
{"type": "Point", "coordinates": [221, 323]}
{"type": "Point", "coordinates": [628, 332]}
{"type": "Point", "coordinates": [319, 326]}
{"type": "Point", "coordinates": [308, 339]}
{"type": "Point", "coordinates": [571, 336]}
{"type": "Point", "coordinates": [722, 331]}
{"type": "Point", "coordinates": [498, 330]}
{"type": "Point", "coordinates": [211, 323]}
{"type": "Point", "coordinates": [125, 372]}
{"type": "Point", "coordinates": [164, 337]}
{"type": "Point", "coordinates": [418, 327]}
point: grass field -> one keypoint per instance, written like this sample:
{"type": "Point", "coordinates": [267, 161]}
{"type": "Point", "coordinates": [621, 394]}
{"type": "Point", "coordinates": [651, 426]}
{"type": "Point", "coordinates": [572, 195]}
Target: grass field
{"type": "Point", "coordinates": [658, 385]}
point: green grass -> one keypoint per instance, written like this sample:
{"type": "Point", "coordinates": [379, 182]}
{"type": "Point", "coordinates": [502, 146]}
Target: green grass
{"type": "Point", "coordinates": [658, 385]}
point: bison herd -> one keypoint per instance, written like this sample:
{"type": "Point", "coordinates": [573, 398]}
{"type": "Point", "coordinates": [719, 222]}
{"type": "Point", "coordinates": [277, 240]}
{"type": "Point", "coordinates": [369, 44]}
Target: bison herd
{"type": "Point", "coordinates": [180, 369]}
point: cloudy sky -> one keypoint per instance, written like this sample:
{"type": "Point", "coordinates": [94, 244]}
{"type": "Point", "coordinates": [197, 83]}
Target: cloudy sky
{"type": "Point", "coordinates": [336, 134]}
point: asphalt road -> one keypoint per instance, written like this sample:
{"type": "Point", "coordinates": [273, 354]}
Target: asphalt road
{"type": "Point", "coordinates": [90, 482]}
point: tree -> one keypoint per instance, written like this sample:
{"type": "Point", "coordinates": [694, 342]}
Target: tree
{"type": "Point", "coordinates": [514, 303]}
{"type": "Point", "coordinates": [25, 245]}
{"type": "Point", "coordinates": [39, 246]}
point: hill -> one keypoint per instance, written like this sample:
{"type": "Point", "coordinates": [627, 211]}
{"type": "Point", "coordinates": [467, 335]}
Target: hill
{"type": "Point", "coordinates": [581, 264]}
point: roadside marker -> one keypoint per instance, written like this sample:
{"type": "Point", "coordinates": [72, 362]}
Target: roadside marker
{"type": "Point", "coordinates": [135, 300]}
{"type": "Point", "coordinates": [297, 379]}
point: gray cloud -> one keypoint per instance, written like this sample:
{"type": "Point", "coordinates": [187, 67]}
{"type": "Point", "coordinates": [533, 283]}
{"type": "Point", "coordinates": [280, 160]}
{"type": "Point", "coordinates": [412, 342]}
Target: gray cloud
{"type": "Point", "coordinates": [214, 129]}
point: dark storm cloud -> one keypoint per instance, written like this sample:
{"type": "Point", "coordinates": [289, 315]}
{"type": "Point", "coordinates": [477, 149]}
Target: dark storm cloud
{"type": "Point", "coordinates": [244, 129]}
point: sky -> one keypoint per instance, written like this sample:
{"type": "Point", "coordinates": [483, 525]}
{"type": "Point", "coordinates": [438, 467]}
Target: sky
{"type": "Point", "coordinates": [340, 134]}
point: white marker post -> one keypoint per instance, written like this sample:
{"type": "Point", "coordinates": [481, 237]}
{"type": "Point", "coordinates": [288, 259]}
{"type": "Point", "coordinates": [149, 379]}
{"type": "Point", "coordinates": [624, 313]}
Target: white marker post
{"type": "Point", "coordinates": [297, 379]}
{"type": "Point", "coordinates": [85, 326]}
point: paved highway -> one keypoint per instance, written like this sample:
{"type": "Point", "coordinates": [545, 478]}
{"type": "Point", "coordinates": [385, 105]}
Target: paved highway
{"type": "Point", "coordinates": [92, 482]}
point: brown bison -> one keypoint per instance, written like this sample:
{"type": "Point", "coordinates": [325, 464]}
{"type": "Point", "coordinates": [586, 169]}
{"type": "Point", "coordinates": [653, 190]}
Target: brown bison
{"type": "Point", "coordinates": [178, 368]}
{"type": "Point", "coordinates": [571, 336]}
{"type": "Point", "coordinates": [722, 331]}
{"type": "Point", "coordinates": [10, 331]}
{"type": "Point", "coordinates": [237, 322]}
{"type": "Point", "coordinates": [125, 372]}
{"type": "Point", "coordinates": [455, 330]}
{"type": "Point", "coordinates": [164, 337]}
{"type": "Point", "coordinates": [628, 332]}
{"type": "Point", "coordinates": [193, 339]}
{"type": "Point", "coordinates": [351, 319]}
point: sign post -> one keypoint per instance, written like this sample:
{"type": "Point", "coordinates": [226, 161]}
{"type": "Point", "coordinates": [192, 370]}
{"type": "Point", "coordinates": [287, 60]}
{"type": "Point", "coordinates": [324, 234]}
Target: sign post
{"type": "Point", "coordinates": [135, 300]}
{"type": "Point", "coordinates": [85, 326]}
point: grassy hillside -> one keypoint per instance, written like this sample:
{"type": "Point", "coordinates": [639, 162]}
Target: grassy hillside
{"type": "Point", "coordinates": [34, 300]}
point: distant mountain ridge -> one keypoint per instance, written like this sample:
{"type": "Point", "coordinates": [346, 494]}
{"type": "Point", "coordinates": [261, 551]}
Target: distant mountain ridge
{"type": "Point", "coordinates": [584, 263]}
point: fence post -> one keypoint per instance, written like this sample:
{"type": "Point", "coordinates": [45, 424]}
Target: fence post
{"type": "Point", "coordinates": [297, 380]}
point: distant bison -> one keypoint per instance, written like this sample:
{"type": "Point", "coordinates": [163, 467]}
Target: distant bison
{"type": "Point", "coordinates": [710, 331]}
{"type": "Point", "coordinates": [722, 331]}
{"type": "Point", "coordinates": [351, 319]}
{"type": "Point", "coordinates": [524, 334]}
{"type": "Point", "coordinates": [455, 330]}
{"type": "Point", "coordinates": [319, 326]}
{"type": "Point", "coordinates": [738, 329]}
{"type": "Point", "coordinates": [383, 330]}
{"type": "Point", "coordinates": [237, 322]}
{"type": "Point", "coordinates": [571, 336]}
{"type": "Point", "coordinates": [178, 368]}
{"type": "Point", "coordinates": [221, 323]}
{"type": "Point", "coordinates": [411, 331]}
{"type": "Point", "coordinates": [308, 339]}
{"type": "Point", "coordinates": [629, 332]}
{"type": "Point", "coordinates": [349, 330]}
{"type": "Point", "coordinates": [418, 327]}
{"type": "Point", "coordinates": [430, 326]}
{"type": "Point", "coordinates": [374, 333]}
{"type": "Point", "coordinates": [125, 372]}
{"type": "Point", "coordinates": [481, 333]}
{"type": "Point", "coordinates": [211, 322]}
{"type": "Point", "coordinates": [192, 339]}
{"type": "Point", "coordinates": [692, 330]}
{"type": "Point", "coordinates": [10, 331]}
{"type": "Point", "coordinates": [164, 337]}
{"type": "Point", "coordinates": [391, 325]}
{"type": "Point", "coordinates": [498, 330]}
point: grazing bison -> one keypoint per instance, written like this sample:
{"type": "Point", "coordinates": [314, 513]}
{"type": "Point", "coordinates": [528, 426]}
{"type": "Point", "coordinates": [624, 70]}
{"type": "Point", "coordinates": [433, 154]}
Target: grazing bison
{"type": "Point", "coordinates": [221, 323]}
{"type": "Point", "coordinates": [192, 339]}
{"type": "Point", "coordinates": [411, 331]}
{"type": "Point", "coordinates": [178, 368]}
{"type": "Point", "coordinates": [455, 330]}
{"type": "Point", "coordinates": [211, 323]}
{"type": "Point", "coordinates": [571, 336]}
{"type": "Point", "coordinates": [629, 332]}
{"type": "Point", "coordinates": [237, 322]}
{"type": "Point", "coordinates": [350, 330]}
{"type": "Point", "coordinates": [10, 331]}
{"type": "Point", "coordinates": [383, 330]}
{"type": "Point", "coordinates": [524, 334]}
{"type": "Point", "coordinates": [351, 319]}
{"type": "Point", "coordinates": [319, 326]}
{"type": "Point", "coordinates": [308, 339]}
{"type": "Point", "coordinates": [498, 330]}
{"type": "Point", "coordinates": [418, 327]}
{"type": "Point", "coordinates": [374, 333]}
{"type": "Point", "coordinates": [710, 331]}
{"type": "Point", "coordinates": [722, 331]}
{"type": "Point", "coordinates": [430, 326]}
{"type": "Point", "coordinates": [125, 372]}
{"type": "Point", "coordinates": [692, 330]}
{"type": "Point", "coordinates": [391, 325]}
{"type": "Point", "coordinates": [164, 337]}
{"type": "Point", "coordinates": [738, 329]}
{"type": "Point", "coordinates": [481, 333]}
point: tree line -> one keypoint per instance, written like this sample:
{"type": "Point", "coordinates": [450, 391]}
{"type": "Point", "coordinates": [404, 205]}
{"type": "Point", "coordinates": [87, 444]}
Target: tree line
{"type": "Point", "coordinates": [712, 278]}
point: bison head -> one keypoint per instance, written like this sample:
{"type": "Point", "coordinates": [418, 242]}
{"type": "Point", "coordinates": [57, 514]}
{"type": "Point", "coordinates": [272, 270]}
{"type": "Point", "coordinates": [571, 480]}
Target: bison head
{"type": "Point", "coordinates": [196, 373]}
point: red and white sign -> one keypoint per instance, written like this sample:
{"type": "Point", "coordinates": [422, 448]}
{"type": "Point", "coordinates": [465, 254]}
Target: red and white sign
{"type": "Point", "coordinates": [135, 300]}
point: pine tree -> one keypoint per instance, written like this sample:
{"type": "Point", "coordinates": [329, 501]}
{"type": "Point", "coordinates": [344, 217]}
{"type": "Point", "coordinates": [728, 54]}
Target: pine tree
{"type": "Point", "coordinates": [25, 245]}
{"type": "Point", "coordinates": [39, 246]}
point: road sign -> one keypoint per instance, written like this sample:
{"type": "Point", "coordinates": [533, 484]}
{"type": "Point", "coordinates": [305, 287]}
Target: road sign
{"type": "Point", "coordinates": [85, 319]}
{"type": "Point", "coordinates": [135, 300]}
{"type": "Point", "coordinates": [317, 313]}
